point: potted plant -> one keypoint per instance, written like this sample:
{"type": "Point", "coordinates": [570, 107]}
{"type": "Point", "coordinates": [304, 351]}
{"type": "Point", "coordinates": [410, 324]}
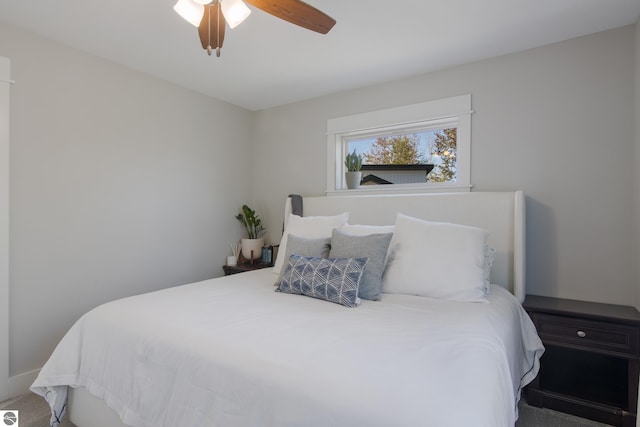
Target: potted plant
{"type": "Point", "coordinates": [353, 163]}
{"type": "Point", "coordinates": [251, 247]}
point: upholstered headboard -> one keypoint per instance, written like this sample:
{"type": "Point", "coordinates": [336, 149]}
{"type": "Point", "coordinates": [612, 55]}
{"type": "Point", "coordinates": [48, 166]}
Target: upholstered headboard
{"type": "Point", "coordinates": [502, 214]}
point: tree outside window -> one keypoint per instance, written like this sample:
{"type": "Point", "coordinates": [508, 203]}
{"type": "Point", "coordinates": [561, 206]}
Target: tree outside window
{"type": "Point", "coordinates": [437, 147]}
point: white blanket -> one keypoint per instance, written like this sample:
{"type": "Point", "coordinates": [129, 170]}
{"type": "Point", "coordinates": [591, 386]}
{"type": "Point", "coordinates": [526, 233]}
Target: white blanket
{"type": "Point", "coordinates": [232, 352]}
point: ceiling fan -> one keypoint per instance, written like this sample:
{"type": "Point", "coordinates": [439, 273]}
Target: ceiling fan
{"type": "Point", "coordinates": [210, 16]}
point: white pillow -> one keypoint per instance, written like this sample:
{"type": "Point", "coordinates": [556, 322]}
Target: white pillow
{"type": "Point", "coordinates": [435, 259]}
{"type": "Point", "coordinates": [365, 230]}
{"type": "Point", "coordinates": [308, 227]}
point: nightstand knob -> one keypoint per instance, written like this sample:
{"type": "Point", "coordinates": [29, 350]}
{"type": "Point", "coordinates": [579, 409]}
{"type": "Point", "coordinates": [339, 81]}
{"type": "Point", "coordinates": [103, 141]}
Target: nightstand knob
{"type": "Point", "coordinates": [581, 334]}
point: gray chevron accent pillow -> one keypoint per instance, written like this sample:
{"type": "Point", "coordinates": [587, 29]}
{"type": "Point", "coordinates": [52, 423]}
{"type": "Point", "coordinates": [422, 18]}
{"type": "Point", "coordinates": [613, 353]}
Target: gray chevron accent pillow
{"type": "Point", "coordinates": [330, 279]}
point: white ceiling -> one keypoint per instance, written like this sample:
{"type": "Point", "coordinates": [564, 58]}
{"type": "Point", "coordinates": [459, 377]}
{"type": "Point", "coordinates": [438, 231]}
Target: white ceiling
{"type": "Point", "coordinates": [267, 62]}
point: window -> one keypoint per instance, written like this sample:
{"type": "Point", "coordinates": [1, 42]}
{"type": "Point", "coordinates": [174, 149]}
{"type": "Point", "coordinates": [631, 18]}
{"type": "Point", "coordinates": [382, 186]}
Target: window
{"type": "Point", "coordinates": [425, 154]}
{"type": "Point", "coordinates": [420, 147]}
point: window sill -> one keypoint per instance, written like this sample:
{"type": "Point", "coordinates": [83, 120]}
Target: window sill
{"type": "Point", "coordinates": [400, 189]}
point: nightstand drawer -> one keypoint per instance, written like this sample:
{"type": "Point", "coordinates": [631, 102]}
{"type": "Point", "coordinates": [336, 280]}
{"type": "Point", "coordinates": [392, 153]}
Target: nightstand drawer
{"type": "Point", "coordinates": [589, 334]}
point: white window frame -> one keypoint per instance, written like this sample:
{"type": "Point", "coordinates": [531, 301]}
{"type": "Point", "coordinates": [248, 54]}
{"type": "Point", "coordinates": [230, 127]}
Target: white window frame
{"type": "Point", "coordinates": [5, 82]}
{"type": "Point", "coordinates": [432, 114]}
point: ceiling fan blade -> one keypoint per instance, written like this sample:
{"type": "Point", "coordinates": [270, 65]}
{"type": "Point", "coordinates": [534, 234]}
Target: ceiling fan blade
{"type": "Point", "coordinates": [297, 12]}
{"type": "Point", "coordinates": [211, 29]}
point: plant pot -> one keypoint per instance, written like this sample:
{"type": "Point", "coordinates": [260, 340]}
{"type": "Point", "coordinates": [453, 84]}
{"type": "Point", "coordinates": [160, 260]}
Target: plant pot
{"type": "Point", "coordinates": [353, 179]}
{"type": "Point", "coordinates": [254, 245]}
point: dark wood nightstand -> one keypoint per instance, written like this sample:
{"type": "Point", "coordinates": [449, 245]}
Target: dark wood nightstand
{"type": "Point", "coordinates": [591, 363]}
{"type": "Point", "coordinates": [244, 267]}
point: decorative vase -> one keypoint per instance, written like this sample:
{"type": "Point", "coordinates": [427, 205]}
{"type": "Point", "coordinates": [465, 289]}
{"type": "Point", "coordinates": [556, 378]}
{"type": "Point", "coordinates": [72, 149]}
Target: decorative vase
{"type": "Point", "coordinates": [252, 245]}
{"type": "Point", "coordinates": [353, 179]}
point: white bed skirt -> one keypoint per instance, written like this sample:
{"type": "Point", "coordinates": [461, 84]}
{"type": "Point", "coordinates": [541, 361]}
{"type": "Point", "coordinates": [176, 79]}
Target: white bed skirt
{"type": "Point", "coordinates": [87, 410]}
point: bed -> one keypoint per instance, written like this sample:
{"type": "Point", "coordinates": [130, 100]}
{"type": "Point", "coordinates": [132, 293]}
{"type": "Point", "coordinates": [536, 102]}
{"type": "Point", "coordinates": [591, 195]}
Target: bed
{"type": "Point", "coordinates": [232, 351]}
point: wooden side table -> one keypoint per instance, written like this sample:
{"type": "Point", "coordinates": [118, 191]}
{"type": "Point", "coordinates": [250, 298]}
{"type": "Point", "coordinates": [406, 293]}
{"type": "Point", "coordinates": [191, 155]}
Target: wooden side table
{"type": "Point", "coordinates": [591, 363]}
{"type": "Point", "coordinates": [244, 267]}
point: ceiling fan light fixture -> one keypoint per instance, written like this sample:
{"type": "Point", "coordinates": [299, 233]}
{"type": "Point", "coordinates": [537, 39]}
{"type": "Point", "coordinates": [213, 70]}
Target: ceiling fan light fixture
{"type": "Point", "coordinates": [234, 11]}
{"type": "Point", "coordinates": [212, 16]}
{"type": "Point", "coordinates": [190, 10]}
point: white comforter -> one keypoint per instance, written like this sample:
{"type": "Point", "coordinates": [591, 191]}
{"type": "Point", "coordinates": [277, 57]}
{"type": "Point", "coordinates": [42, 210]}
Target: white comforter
{"type": "Point", "coordinates": [232, 352]}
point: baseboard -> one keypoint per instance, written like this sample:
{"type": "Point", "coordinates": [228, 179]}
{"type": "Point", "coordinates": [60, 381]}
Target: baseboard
{"type": "Point", "coordinates": [20, 383]}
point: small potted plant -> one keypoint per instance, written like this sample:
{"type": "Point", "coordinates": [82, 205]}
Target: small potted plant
{"type": "Point", "coordinates": [251, 247]}
{"type": "Point", "coordinates": [353, 176]}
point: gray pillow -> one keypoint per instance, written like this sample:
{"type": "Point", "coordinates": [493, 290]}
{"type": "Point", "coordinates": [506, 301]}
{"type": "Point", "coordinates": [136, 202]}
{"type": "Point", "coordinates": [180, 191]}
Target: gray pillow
{"type": "Point", "coordinates": [372, 246]}
{"type": "Point", "coordinates": [317, 248]}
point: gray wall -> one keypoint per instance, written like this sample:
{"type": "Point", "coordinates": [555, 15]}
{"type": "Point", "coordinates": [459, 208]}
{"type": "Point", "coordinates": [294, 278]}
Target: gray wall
{"type": "Point", "coordinates": [120, 184]}
{"type": "Point", "coordinates": [556, 122]}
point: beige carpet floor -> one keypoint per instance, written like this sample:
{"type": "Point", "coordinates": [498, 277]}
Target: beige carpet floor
{"type": "Point", "coordinates": [34, 412]}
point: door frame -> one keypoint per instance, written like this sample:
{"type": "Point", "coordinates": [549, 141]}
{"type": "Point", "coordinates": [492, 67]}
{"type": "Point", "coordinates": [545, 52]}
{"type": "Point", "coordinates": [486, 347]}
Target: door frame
{"type": "Point", "coordinates": [5, 82]}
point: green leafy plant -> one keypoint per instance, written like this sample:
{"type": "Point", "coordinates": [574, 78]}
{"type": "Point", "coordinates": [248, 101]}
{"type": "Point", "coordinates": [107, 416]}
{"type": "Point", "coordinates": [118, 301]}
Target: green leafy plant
{"type": "Point", "coordinates": [251, 222]}
{"type": "Point", "coordinates": [353, 162]}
